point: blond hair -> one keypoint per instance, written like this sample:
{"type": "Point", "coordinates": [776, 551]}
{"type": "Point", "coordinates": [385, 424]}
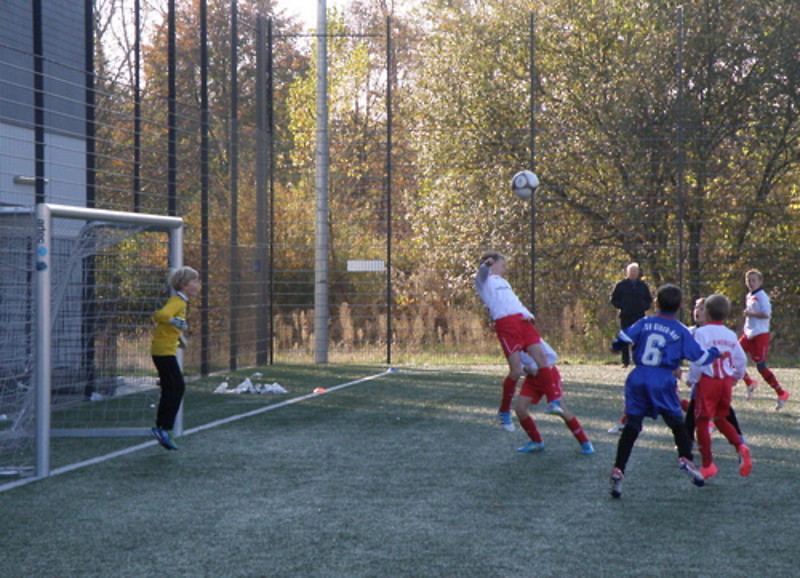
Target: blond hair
{"type": "Point", "coordinates": [755, 272]}
{"type": "Point", "coordinates": [181, 277]}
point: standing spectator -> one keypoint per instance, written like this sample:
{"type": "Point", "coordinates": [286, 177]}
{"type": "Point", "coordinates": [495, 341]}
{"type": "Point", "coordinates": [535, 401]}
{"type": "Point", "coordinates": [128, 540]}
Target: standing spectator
{"type": "Point", "coordinates": [632, 297]}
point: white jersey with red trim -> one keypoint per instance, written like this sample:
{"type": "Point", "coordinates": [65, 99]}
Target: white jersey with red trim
{"type": "Point", "coordinates": [715, 334]}
{"type": "Point", "coordinates": [497, 295]}
{"type": "Point", "coordinates": [758, 301]}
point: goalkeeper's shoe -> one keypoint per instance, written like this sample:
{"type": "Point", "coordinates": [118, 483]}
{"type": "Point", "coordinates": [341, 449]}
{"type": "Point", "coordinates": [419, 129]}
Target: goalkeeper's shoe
{"type": "Point", "coordinates": [587, 448]}
{"type": "Point", "coordinates": [505, 420]}
{"type": "Point", "coordinates": [692, 471]}
{"type": "Point", "coordinates": [615, 488]}
{"type": "Point", "coordinates": [531, 447]}
{"type": "Point", "coordinates": [163, 438]}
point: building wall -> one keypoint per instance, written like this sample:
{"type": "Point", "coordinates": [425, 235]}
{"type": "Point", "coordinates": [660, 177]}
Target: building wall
{"type": "Point", "coordinates": [64, 101]}
{"type": "Point", "coordinates": [65, 167]}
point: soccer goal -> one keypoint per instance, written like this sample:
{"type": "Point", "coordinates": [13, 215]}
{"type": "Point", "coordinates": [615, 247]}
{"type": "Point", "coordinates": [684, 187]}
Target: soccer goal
{"type": "Point", "coordinates": [79, 287]}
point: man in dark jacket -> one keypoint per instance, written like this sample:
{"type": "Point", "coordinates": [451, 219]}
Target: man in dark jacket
{"type": "Point", "coordinates": [632, 297]}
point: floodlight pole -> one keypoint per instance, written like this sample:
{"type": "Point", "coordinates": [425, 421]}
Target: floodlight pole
{"type": "Point", "coordinates": [38, 101]}
{"type": "Point", "coordinates": [263, 181]}
{"type": "Point", "coordinates": [172, 112]}
{"type": "Point", "coordinates": [235, 277]}
{"type": "Point", "coordinates": [532, 162]}
{"type": "Point", "coordinates": [322, 248]}
{"type": "Point", "coordinates": [389, 297]}
{"type": "Point", "coordinates": [681, 145]}
{"type": "Point", "coordinates": [205, 186]}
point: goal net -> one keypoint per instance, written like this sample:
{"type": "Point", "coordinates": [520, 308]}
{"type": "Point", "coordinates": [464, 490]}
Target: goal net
{"type": "Point", "coordinates": [79, 366]}
{"type": "Point", "coordinates": [17, 229]}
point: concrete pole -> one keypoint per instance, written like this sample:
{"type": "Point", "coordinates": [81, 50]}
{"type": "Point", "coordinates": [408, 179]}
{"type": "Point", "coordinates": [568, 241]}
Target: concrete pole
{"type": "Point", "coordinates": [322, 246]}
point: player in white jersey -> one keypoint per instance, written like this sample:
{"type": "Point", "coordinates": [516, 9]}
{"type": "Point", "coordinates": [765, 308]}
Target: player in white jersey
{"type": "Point", "coordinates": [513, 324]}
{"type": "Point", "coordinates": [755, 338]}
{"type": "Point", "coordinates": [713, 385]}
{"type": "Point", "coordinates": [699, 316]}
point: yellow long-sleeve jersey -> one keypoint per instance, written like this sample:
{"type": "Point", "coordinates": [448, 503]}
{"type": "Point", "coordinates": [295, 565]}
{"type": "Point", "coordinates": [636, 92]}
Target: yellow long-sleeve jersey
{"type": "Point", "coordinates": [165, 335]}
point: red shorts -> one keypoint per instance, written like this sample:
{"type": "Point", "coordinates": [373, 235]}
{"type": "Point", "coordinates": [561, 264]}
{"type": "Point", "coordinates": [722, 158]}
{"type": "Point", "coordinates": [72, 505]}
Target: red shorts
{"type": "Point", "coordinates": [515, 333]}
{"type": "Point", "coordinates": [538, 386]}
{"type": "Point", "coordinates": [756, 347]}
{"type": "Point", "coordinates": [712, 397]}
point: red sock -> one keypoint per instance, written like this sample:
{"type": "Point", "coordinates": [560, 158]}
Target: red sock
{"type": "Point", "coordinates": [770, 378]}
{"type": "Point", "coordinates": [575, 427]}
{"type": "Point", "coordinates": [530, 428]}
{"type": "Point", "coordinates": [726, 428]}
{"type": "Point", "coordinates": [747, 379]}
{"type": "Point", "coordinates": [703, 440]}
{"type": "Point", "coordinates": [509, 388]}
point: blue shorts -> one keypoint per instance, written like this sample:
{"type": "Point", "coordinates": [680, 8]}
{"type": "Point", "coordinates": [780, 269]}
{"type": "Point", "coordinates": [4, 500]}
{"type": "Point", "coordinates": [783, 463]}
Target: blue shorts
{"type": "Point", "coordinates": [651, 391]}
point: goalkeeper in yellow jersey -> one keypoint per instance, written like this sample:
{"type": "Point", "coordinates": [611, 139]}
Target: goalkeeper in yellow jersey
{"type": "Point", "coordinates": [170, 323]}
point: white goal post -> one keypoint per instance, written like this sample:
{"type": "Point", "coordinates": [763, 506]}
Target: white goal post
{"type": "Point", "coordinates": [43, 283]}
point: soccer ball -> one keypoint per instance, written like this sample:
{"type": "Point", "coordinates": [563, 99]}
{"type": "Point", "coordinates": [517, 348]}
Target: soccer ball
{"type": "Point", "coordinates": [524, 184]}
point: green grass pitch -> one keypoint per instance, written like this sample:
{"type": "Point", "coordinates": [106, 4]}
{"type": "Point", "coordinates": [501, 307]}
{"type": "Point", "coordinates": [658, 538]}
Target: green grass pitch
{"type": "Point", "coordinates": [409, 475]}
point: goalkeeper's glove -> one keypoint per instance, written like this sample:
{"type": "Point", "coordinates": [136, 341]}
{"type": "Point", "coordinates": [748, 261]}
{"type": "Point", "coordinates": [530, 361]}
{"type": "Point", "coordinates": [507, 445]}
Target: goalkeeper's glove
{"type": "Point", "coordinates": [179, 323]}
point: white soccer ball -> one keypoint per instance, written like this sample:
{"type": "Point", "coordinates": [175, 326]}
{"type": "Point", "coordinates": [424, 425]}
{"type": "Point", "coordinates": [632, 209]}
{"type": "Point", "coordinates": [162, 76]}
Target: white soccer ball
{"type": "Point", "coordinates": [524, 184]}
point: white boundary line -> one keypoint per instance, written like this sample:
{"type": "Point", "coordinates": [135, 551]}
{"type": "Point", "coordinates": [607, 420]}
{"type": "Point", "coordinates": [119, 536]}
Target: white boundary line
{"type": "Point", "coordinates": [194, 430]}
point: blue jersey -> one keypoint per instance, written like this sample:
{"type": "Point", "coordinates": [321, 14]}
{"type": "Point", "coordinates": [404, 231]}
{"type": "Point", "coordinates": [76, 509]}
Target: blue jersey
{"type": "Point", "coordinates": [660, 344]}
{"type": "Point", "coordinates": [662, 341]}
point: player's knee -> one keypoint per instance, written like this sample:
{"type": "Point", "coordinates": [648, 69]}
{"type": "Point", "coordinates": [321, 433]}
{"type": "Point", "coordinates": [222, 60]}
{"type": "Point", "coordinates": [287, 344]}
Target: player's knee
{"type": "Point", "coordinates": [671, 419]}
{"type": "Point", "coordinates": [634, 422]}
{"type": "Point", "coordinates": [515, 373]}
{"type": "Point", "coordinates": [761, 365]}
